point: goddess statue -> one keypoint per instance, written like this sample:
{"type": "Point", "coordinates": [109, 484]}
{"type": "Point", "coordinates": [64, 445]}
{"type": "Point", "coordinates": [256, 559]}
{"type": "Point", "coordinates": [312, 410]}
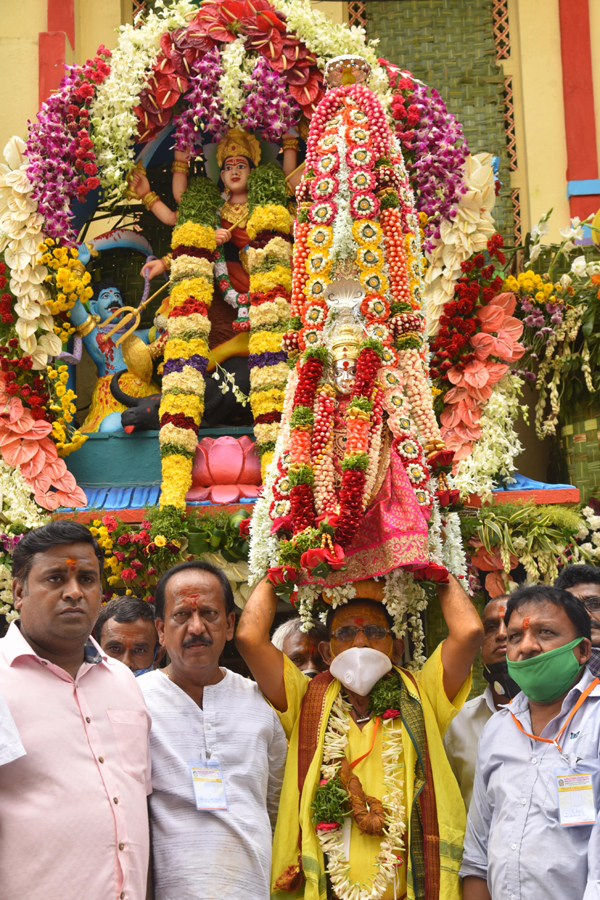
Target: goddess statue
{"type": "Point", "coordinates": [237, 154]}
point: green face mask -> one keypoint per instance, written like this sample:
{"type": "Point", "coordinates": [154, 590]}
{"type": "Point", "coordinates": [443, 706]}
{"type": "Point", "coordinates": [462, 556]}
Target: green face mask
{"type": "Point", "coordinates": [545, 677]}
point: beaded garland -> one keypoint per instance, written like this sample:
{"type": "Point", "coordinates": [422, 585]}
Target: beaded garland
{"type": "Point", "coordinates": [354, 203]}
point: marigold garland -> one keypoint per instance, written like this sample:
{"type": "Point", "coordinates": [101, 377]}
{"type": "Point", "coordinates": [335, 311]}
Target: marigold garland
{"type": "Point", "coordinates": [182, 403]}
{"type": "Point", "coordinates": [269, 265]}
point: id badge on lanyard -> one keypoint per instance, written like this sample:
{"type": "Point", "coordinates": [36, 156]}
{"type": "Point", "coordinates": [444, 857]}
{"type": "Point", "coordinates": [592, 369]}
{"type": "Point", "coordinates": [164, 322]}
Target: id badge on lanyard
{"type": "Point", "coordinates": [576, 801]}
{"type": "Point", "coordinates": [208, 784]}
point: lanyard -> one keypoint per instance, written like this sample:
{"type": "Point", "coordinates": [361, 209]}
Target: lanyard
{"type": "Point", "coordinates": [554, 741]}
{"type": "Point", "coordinates": [355, 762]}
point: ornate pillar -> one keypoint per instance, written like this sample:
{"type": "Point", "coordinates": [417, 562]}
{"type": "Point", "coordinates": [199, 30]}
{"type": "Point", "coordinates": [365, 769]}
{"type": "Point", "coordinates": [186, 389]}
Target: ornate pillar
{"type": "Point", "coordinates": [583, 184]}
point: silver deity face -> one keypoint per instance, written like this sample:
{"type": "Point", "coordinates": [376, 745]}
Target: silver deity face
{"type": "Point", "coordinates": [344, 376]}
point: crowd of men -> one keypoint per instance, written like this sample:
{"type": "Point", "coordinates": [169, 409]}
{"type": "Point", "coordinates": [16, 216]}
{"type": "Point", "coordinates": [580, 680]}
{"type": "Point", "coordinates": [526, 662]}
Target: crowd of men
{"type": "Point", "coordinates": [192, 782]}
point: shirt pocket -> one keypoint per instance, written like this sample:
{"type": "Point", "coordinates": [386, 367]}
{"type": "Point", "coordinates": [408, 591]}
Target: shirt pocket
{"type": "Point", "coordinates": [130, 728]}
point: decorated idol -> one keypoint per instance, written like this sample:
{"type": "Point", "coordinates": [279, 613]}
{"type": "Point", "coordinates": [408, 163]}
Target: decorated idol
{"type": "Point", "coordinates": [353, 490]}
{"type": "Point", "coordinates": [349, 520]}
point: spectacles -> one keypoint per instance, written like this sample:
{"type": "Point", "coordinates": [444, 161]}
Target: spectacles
{"type": "Point", "coordinates": [592, 603]}
{"type": "Point", "coordinates": [372, 632]}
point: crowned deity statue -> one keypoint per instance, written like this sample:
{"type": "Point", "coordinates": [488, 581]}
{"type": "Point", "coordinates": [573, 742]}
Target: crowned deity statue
{"type": "Point", "coordinates": [97, 329]}
{"type": "Point", "coordinates": [355, 474]}
{"type": "Point", "coordinates": [237, 154]}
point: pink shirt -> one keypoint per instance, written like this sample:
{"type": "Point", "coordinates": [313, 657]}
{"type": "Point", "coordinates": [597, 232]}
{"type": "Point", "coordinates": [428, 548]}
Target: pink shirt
{"type": "Point", "coordinates": [73, 812]}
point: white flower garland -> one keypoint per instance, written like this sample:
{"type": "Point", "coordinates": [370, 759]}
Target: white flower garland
{"type": "Point", "coordinates": [111, 114]}
{"type": "Point", "coordinates": [20, 236]}
{"type": "Point", "coordinates": [405, 599]}
{"type": "Point", "coordinates": [436, 546]}
{"type": "Point", "coordinates": [230, 82]}
{"type": "Point", "coordinates": [460, 237]}
{"type": "Point", "coordinates": [392, 842]}
{"type": "Point", "coordinates": [495, 452]}
{"type": "Point", "coordinates": [263, 544]}
{"type": "Point", "coordinates": [454, 557]}
{"type": "Point", "coordinates": [343, 245]}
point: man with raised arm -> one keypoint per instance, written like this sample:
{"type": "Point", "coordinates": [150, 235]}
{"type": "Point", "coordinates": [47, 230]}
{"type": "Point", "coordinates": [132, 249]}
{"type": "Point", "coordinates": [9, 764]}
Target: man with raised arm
{"type": "Point", "coordinates": [369, 802]}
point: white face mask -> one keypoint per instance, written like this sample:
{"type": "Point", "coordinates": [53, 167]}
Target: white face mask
{"type": "Point", "coordinates": [360, 668]}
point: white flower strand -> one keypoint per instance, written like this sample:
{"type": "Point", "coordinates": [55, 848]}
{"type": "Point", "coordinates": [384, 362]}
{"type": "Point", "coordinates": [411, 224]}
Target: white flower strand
{"type": "Point", "coordinates": [454, 557]}
{"type": "Point", "coordinates": [343, 245]}
{"type": "Point", "coordinates": [332, 842]}
{"type": "Point", "coordinates": [20, 235]}
{"type": "Point", "coordinates": [263, 551]}
{"type": "Point", "coordinates": [230, 82]}
{"type": "Point", "coordinates": [495, 452]}
{"type": "Point", "coordinates": [111, 114]}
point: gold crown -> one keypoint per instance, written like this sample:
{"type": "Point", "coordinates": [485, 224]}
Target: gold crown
{"type": "Point", "coordinates": [346, 342]}
{"type": "Point", "coordinates": [238, 142]}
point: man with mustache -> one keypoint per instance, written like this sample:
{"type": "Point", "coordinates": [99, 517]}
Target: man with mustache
{"type": "Point", "coordinates": [398, 816]}
{"type": "Point", "coordinates": [218, 750]}
{"type": "Point", "coordinates": [584, 583]}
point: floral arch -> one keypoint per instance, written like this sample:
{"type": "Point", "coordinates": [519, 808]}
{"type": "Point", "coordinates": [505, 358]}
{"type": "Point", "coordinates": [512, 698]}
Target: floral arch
{"type": "Point", "coordinates": [184, 77]}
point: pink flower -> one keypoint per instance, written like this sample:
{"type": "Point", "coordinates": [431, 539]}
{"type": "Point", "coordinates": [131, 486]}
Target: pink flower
{"type": "Point", "coordinates": [327, 826]}
{"type": "Point", "coordinates": [128, 574]}
{"type": "Point", "coordinates": [391, 714]}
{"type": "Point", "coordinates": [110, 522]}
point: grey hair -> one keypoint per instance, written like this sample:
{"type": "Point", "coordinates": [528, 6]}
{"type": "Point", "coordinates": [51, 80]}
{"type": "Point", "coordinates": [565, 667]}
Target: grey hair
{"type": "Point", "coordinates": [293, 626]}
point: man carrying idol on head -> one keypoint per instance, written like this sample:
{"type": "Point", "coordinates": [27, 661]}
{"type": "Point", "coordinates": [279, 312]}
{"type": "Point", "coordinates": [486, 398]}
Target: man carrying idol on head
{"type": "Point", "coordinates": [348, 525]}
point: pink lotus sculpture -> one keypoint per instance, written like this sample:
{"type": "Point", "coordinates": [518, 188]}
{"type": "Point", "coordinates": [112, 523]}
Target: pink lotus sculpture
{"type": "Point", "coordinates": [473, 382]}
{"type": "Point", "coordinates": [225, 470]}
{"type": "Point", "coordinates": [24, 443]}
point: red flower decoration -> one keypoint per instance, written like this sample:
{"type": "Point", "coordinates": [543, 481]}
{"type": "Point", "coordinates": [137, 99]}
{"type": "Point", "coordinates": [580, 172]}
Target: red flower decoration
{"type": "Point", "coordinates": [282, 574]}
{"type": "Point", "coordinates": [245, 526]}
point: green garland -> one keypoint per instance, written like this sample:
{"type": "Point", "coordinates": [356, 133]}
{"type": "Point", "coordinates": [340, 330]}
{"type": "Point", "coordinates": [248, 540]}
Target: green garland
{"type": "Point", "coordinates": [267, 186]}
{"type": "Point", "coordinates": [200, 202]}
{"type": "Point", "coordinates": [330, 803]}
{"type": "Point", "coordinates": [385, 695]}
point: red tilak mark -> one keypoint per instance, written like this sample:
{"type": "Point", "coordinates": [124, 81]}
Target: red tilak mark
{"type": "Point", "coordinates": [526, 622]}
{"type": "Point", "coordinates": [501, 610]}
{"type": "Point", "coordinates": [360, 622]}
{"type": "Point", "coordinates": [71, 562]}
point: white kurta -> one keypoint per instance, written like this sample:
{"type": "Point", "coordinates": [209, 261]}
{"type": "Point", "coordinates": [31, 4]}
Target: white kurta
{"type": "Point", "coordinates": [462, 739]}
{"type": "Point", "coordinates": [213, 855]}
